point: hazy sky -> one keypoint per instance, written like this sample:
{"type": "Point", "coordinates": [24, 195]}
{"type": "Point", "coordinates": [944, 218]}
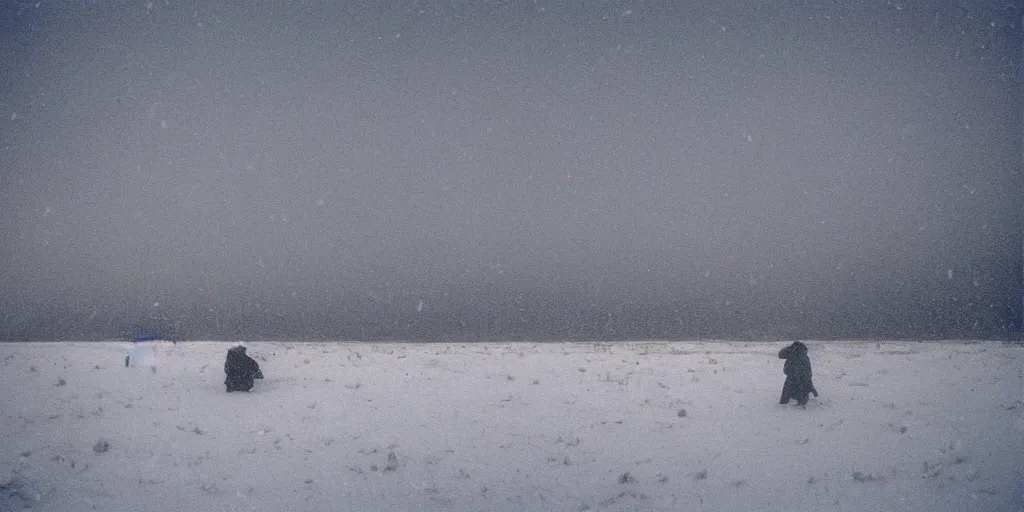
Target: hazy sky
{"type": "Point", "coordinates": [486, 169]}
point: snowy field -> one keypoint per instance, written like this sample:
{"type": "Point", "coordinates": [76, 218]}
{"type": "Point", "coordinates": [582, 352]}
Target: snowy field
{"type": "Point", "coordinates": [513, 426]}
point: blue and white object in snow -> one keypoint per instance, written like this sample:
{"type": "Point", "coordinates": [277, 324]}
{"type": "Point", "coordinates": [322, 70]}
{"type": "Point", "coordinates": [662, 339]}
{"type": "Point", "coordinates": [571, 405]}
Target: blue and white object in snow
{"type": "Point", "coordinates": [141, 352]}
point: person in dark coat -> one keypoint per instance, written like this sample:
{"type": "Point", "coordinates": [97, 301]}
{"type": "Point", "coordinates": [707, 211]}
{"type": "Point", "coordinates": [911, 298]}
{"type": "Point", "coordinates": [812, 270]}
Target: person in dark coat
{"type": "Point", "coordinates": [240, 369]}
{"type": "Point", "coordinates": [798, 383]}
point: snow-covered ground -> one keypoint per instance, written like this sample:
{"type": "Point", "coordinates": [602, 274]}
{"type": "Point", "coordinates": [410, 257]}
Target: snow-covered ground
{"type": "Point", "coordinates": [513, 426]}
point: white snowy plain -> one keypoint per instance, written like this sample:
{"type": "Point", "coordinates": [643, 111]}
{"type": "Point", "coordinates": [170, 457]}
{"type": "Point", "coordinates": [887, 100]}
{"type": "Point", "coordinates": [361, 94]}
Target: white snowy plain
{"type": "Point", "coordinates": [653, 426]}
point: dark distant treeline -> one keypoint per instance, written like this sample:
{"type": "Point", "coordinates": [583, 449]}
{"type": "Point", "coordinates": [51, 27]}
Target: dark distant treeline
{"type": "Point", "coordinates": [493, 314]}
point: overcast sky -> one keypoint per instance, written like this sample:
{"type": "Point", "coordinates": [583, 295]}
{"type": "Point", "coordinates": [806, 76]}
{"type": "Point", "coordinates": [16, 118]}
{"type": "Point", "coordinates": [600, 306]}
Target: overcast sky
{"type": "Point", "coordinates": [486, 169]}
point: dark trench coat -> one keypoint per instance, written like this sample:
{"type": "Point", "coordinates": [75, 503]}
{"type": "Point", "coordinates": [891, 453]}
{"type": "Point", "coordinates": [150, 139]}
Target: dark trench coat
{"type": "Point", "coordinates": [241, 370]}
{"type": "Point", "coordinates": [798, 383]}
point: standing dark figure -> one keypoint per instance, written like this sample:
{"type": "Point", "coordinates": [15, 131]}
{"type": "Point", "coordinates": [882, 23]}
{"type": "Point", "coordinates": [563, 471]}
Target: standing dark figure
{"type": "Point", "coordinates": [798, 374]}
{"type": "Point", "coordinates": [241, 370]}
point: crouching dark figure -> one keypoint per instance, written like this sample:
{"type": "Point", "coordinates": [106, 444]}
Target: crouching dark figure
{"type": "Point", "coordinates": [241, 370]}
{"type": "Point", "coordinates": [798, 374]}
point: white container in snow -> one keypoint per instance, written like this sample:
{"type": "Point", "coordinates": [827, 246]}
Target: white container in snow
{"type": "Point", "coordinates": [141, 354]}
